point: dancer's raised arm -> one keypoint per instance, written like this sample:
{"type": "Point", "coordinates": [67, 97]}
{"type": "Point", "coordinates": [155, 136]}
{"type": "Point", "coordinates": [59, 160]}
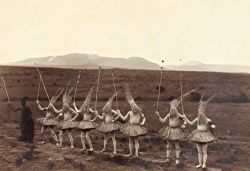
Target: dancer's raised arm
{"type": "Point", "coordinates": [93, 112]}
{"type": "Point", "coordinates": [161, 119]}
{"type": "Point", "coordinates": [123, 117]}
{"type": "Point", "coordinates": [99, 116]}
{"type": "Point", "coordinates": [56, 110]}
{"type": "Point", "coordinates": [76, 109]}
{"type": "Point", "coordinates": [76, 113]}
{"type": "Point", "coordinates": [190, 122]}
{"type": "Point", "coordinates": [39, 106]}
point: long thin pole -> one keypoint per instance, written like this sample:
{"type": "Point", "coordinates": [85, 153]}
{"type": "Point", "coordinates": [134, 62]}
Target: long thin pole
{"type": "Point", "coordinates": [182, 108]}
{"type": "Point", "coordinates": [5, 90]}
{"type": "Point", "coordinates": [38, 91]}
{"type": "Point", "coordinates": [42, 82]}
{"type": "Point", "coordinates": [115, 90]}
{"type": "Point", "coordinates": [79, 76]}
{"type": "Point", "coordinates": [97, 87]}
{"type": "Point", "coordinates": [159, 88]}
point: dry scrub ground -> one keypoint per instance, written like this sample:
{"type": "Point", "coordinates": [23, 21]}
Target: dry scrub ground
{"type": "Point", "coordinates": [230, 152]}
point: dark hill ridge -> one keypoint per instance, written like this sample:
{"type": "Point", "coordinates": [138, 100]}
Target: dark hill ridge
{"type": "Point", "coordinates": [93, 61]}
{"type": "Point", "coordinates": [89, 61]}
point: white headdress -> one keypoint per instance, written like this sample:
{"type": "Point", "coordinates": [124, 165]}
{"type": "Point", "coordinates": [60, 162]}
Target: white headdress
{"type": "Point", "coordinates": [87, 101]}
{"type": "Point", "coordinates": [176, 102]}
{"type": "Point", "coordinates": [57, 95]}
{"type": "Point", "coordinates": [134, 107]}
{"type": "Point", "coordinates": [203, 104]}
{"type": "Point", "coordinates": [108, 106]}
{"type": "Point", "coordinates": [67, 96]}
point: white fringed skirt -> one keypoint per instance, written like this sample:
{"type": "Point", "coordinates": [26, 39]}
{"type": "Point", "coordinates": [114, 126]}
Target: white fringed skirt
{"type": "Point", "coordinates": [108, 127]}
{"type": "Point", "coordinates": [86, 125]}
{"type": "Point", "coordinates": [65, 125]}
{"type": "Point", "coordinates": [133, 130]}
{"type": "Point", "coordinates": [173, 134]}
{"type": "Point", "coordinates": [201, 136]}
{"type": "Point", "coordinates": [47, 122]}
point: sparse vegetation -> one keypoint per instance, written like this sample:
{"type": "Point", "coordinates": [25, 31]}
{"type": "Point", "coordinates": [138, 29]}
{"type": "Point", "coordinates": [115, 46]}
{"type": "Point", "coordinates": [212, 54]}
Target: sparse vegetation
{"type": "Point", "coordinates": [230, 117]}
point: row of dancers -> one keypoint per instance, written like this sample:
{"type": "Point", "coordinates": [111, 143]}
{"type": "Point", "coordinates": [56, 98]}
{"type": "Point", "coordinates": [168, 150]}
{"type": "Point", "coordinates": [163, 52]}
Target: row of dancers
{"type": "Point", "coordinates": [173, 132]}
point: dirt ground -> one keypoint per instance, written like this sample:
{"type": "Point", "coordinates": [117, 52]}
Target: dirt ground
{"type": "Point", "coordinates": [229, 152]}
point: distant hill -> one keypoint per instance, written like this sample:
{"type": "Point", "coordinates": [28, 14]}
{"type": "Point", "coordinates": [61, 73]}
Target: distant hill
{"type": "Point", "coordinates": [198, 66]}
{"type": "Point", "coordinates": [89, 61]}
{"type": "Point", "coordinates": [93, 61]}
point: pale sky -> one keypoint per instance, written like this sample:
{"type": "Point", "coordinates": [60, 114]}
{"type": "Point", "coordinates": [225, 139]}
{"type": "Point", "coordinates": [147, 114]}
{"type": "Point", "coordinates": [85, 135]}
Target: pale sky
{"type": "Point", "coordinates": [210, 31]}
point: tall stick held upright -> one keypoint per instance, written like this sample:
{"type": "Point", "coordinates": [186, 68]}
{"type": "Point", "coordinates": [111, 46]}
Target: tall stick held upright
{"type": "Point", "coordinates": [42, 82]}
{"type": "Point", "coordinates": [115, 90]}
{"type": "Point", "coordinates": [78, 79]}
{"type": "Point", "coordinates": [38, 91]}
{"type": "Point", "coordinates": [97, 87]}
{"type": "Point", "coordinates": [5, 89]}
{"type": "Point", "coordinates": [182, 108]}
{"type": "Point", "coordinates": [159, 88]}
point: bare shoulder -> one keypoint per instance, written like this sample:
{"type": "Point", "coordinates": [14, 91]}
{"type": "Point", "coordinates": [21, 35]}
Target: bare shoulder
{"type": "Point", "coordinates": [209, 120]}
{"type": "Point", "coordinates": [130, 113]}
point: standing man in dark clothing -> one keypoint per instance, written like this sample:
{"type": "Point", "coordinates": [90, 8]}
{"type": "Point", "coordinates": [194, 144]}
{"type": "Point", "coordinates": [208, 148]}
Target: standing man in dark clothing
{"type": "Point", "coordinates": [26, 121]}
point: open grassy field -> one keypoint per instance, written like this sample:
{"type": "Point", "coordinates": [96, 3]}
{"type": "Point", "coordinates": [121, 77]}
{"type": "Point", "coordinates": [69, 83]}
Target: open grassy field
{"type": "Point", "coordinates": [229, 113]}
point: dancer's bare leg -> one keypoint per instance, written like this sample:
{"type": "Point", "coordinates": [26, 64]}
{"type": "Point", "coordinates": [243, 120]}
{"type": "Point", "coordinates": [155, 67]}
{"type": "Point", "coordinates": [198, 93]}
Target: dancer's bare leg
{"type": "Point", "coordinates": [105, 141]}
{"type": "Point", "coordinates": [204, 155]}
{"type": "Point", "coordinates": [83, 141]}
{"type": "Point", "coordinates": [71, 139]}
{"type": "Point", "coordinates": [137, 146]}
{"type": "Point", "coordinates": [130, 147]}
{"type": "Point", "coordinates": [199, 155]}
{"type": "Point", "coordinates": [177, 151]}
{"type": "Point", "coordinates": [43, 130]}
{"type": "Point", "coordinates": [89, 141]}
{"type": "Point", "coordinates": [60, 138]}
{"type": "Point", "coordinates": [114, 142]}
{"type": "Point", "coordinates": [53, 134]}
{"type": "Point", "coordinates": [168, 151]}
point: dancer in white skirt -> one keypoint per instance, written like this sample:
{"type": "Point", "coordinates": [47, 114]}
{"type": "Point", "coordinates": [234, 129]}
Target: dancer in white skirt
{"type": "Point", "coordinates": [108, 126]}
{"type": "Point", "coordinates": [86, 125]}
{"type": "Point", "coordinates": [68, 121]}
{"type": "Point", "coordinates": [173, 132]}
{"type": "Point", "coordinates": [201, 136]}
{"type": "Point", "coordinates": [49, 121]}
{"type": "Point", "coordinates": [134, 128]}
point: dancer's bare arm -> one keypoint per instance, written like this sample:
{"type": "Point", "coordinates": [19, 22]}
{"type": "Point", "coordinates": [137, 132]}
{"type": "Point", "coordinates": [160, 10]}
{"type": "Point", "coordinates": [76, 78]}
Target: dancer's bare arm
{"type": "Point", "coordinates": [212, 124]}
{"type": "Point", "coordinates": [123, 117]}
{"type": "Point", "coordinates": [190, 122]}
{"type": "Point", "coordinates": [76, 114]}
{"type": "Point", "coordinates": [143, 119]}
{"type": "Point", "coordinates": [93, 112]}
{"type": "Point", "coordinates": [76, 109]}
{"type": "Point", "coordinates": [40, 107]}
{"type": "Point", "coordinates": [99, 116]}
{"type": "Point", "coordinates": [56, 110]}
{"type": "Point", "coordinates": [160, 118]}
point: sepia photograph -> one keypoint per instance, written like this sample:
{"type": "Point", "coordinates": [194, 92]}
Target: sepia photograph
{"type": "Point", "coordinates": [128, 85]}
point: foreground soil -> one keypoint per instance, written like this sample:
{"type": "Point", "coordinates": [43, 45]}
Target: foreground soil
{"type": "Point", "coordinates": [14, 155]}
{"type": "Point", "coordinates": [230, 152]}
